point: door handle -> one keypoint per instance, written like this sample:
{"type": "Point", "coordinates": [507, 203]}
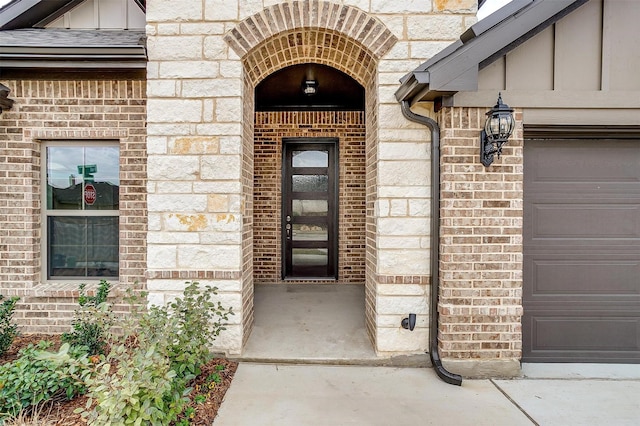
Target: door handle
{"type": "Point", "coordinates": [288, 228]}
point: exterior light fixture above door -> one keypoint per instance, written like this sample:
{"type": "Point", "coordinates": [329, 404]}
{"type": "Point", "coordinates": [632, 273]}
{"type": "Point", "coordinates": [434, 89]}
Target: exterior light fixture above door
{"type": "Point", "coordinates": [310, 87]}
{"type": "Point", "coordinates": [497, 130]}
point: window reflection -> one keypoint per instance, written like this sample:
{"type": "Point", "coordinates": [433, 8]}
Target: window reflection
{"type": "Point", "coordinates": [310, 159]}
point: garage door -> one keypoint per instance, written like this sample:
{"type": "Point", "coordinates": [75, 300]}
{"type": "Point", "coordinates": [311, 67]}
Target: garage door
{"type": "Point", "coordinates": [581, 251]}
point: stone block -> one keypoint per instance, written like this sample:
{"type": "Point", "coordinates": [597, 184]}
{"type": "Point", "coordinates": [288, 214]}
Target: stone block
{"type": "Point", "coordinates": [162, 89]}
{"type": "Point", "coordinates": [215, 48]}
{"type": "Point", "coordinates": [230, 68]}
{"type": "Point", "coordinates": [194, 145]}
{"type": "Point", "coordinates": [177, 202]}
{"type": "Point", "coordinates": [403, 290]}
{"type": "Point", "coordinates": [174, 111]}
{"type": "Point", "coordinates": [230, 144]}
{"type": "Point", "coordinates": [420, 207]}
{"type": "Point", "coordinates": [405, 151]}
{"type": "Point", "coordinates": [173, 167]}
{"type": "Point", "coordinates": [402, 305]}
{"type": "Point", "coordinates": [222, 257]}
{"type": "Point", "coordinates": [392, 321]}
{"type": "Point", "coordinates": [403, 173]}
{"type": "Point", "coordinates": [221, 222]}
{"type": "Point", "coordinates": [224, 187]}
{"type": "Point", "coordinates": [221, 10]}
{"type": "Point", "coordinates": [403, 262]}
{"type": "Point", "coordinates": [161, 256]}
{"type": "Point", "coordinates": [399, 340]}
{"type": "Point", "coordinates": [174, 129]}
{"type": "Point", "coordinates": [166, 10]}
{"type": "Point", "coordinates": [220, 167]}
{"type": "Point", "coordinates": [156, 145]}
{"type": "Point", "coordinates": [229, 341]}
{"type": "Point", "coordinates": [401, 7]}
{"type": "Point", "coordinates": [416, 191]}
{"type": "Point", "coordinates": [222, 87]}
{"type": "Point", "coordinates": [164, 237]}
{"type": "Point", "coordinates": [220, 129]}
{"type": "Point", "coordinates": [188, 69]}
{"type": "Point", "coordinates": [228, 109]}
{"type": "Point", "coordinates": [173, 187]}
{"type": "Point", "coordinates": [435, 27]}
{"type": "Point", "coordinates": [456, 6]}
{"type": "Point", "coordinates": [178, 48]}
{"type": "Point", "coordinates": [398, 242]}
{"type": "Point", "coordinates": [403, 226]}
{"type": "Point", "coordinates": [427, 49]}
{"type": "Point", "coordinates": [220, 237]}
{"type": "Point", "coordinates": [201, 28]}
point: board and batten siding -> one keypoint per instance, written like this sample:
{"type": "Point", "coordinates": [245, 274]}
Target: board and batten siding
{"type": "Point", "coordinates": [581, 70]}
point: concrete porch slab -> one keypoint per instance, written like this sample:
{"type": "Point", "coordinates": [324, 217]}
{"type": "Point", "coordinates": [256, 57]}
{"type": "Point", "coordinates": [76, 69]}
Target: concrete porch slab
{"type": "Point", "coordinates": [315, 324]}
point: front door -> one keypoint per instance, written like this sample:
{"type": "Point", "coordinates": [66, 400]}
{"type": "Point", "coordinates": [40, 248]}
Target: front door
{"type": "Point", "coordinates": [309, 211]}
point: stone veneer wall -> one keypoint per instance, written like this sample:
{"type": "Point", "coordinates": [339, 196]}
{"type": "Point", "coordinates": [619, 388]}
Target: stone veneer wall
{"type": "Point", "coordinates": [481, 249]}
{"type": "Point", "coordinates": [270, 128]}
{"type": "Point", "coordinates": [205, 59]}
{"type": "Point", "coordinates": [65, 110]}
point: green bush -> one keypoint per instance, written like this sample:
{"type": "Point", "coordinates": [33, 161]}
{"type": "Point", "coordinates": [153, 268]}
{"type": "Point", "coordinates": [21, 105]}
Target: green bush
{"type": "Point", "coordinates": [91, 321]}
{"type": "Point", "coordinates": [8, 330]}
{"type": "Point", "coordinates": [144, 377]}
{"type": "Point", "coordinates": [38, 376]}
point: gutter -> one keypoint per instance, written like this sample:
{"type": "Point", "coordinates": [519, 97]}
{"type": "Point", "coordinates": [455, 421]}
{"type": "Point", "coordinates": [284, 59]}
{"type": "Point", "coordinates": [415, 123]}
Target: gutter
{"type": "Point", "coordinates": [443, 373]}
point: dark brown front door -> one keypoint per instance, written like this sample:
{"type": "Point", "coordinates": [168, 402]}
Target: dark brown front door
{"type": "Point", "coordinates": [581, 250]}
{"type": "Point", "coordinates": [309, 219]}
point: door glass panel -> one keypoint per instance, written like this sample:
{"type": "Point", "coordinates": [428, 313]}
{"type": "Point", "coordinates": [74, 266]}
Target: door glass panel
{"type": "Point", "coordinates": [310, 159]}
{"type": "Point", "coordinates": [310, 183]}
{"type": "Point", "coordinates": [310, 232]}
{"type": "Point", "coordinates": [310, 207]}
{"type": "Point", "coordinates": [310, 257]}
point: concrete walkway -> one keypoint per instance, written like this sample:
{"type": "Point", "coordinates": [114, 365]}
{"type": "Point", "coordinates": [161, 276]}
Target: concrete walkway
{"type": "Point", "coordinates": [309, 395]}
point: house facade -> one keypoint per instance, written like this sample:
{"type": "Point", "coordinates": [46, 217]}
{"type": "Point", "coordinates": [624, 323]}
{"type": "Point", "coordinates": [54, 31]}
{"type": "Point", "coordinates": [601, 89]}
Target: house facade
{"type": "Point", "coordinates": [335, 143]}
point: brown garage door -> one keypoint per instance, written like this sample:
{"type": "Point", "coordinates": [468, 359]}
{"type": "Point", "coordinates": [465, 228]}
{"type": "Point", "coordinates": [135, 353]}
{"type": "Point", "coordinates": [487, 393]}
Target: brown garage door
{"type": "Point", "coordinates": [581, 251]}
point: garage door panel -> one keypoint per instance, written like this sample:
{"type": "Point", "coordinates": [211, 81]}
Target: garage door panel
{"type": "Point", "coordinates": [557, 277]}
{"type": "Point", "coordinates": [585, 221]}
{"type": "Point", "coordinates": [584, 333]}
{"type": "Point", "coordinates": [581, 239]}
{"type": "Point", "coordinates": [594, 161]}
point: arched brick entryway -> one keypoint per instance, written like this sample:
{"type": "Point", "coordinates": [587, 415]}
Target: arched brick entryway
{"type": "Point", "coordinates": [339, 36]}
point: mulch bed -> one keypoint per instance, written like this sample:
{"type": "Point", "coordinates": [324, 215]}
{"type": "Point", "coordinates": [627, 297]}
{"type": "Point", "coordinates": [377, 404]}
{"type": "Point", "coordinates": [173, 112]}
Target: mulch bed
{"type": "Point", "coordinates": [205, 407]}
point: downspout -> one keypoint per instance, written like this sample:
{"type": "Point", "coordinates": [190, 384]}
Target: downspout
{"type": "Point", "coordinates": [443, 373]}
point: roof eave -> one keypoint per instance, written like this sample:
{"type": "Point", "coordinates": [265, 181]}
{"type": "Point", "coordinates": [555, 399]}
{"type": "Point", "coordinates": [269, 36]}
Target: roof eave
{"type": "Point", "coordinates": [456, 68]}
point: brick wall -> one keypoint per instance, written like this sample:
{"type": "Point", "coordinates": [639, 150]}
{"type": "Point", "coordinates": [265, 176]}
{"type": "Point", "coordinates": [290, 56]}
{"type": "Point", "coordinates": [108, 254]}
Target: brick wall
{"type": "Point", "coordinates": [481, 249]}
{"type": "Point", "coordinates": [270, 128]}
{"type": "Point", "coordinates": [65, 110]}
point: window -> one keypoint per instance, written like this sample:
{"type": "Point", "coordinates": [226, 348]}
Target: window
{"type": "Point", "coordinates": [81, 210]}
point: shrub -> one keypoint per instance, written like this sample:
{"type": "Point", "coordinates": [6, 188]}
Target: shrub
{"type": "Point", "coordinates": [38, 376]}
{"type": "Point", "coordinates": [159, 351]}
{"type": "Point", "coordinates": [8, 330]}
{"type": "Point", "coordinates": [91, 321]}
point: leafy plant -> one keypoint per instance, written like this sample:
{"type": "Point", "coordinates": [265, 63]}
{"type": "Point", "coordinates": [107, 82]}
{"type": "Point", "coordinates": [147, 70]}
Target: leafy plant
{"type": "Point", "coordinates": [8, 330]}
{"type": "Point", "coordinates": [92, 320]}
{"type": "Point", "coordinates": [144, 377]}
{"type": "Point", "coordinates": [38, 376]}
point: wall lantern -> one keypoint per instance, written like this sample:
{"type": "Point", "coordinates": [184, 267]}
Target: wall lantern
{"type": "Point", "coordinates": [310, 87]}
{"type": "Point", "coordinates": [497, 129]}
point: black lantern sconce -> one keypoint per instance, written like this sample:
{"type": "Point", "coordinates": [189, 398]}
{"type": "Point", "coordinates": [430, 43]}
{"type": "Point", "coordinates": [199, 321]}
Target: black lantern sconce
{"type": "Point", "coordinates": [497, 130]}
{"type": "Point", "coordinates": [310, 87]}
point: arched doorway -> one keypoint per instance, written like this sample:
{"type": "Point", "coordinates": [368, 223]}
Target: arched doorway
{"type": "Point", "coordinates": [343, 39]}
